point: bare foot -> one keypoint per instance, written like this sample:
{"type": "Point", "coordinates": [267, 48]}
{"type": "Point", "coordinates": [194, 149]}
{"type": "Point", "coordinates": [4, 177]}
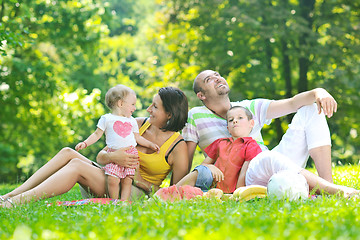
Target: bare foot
{"type": "Point", "coordinates": [348, 192]}
{"type": "Point", "coordinates": [354, 195]}
{"type": "Point", "coordinates": [6, 203]}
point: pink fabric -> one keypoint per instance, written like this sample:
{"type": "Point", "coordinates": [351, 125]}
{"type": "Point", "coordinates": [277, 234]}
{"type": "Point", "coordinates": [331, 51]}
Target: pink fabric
{"type": "Point", "coordinates": [119, 171]}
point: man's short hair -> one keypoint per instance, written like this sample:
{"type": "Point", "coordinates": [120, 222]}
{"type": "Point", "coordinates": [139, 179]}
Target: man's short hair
{"type": "Point", "coordinates": [196, 86]}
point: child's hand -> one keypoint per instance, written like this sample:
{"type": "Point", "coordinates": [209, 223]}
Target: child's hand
{"type": "Point", "coordinates": [155, 147]}
{"type": "Point", "coordinates": [80, 145]}
{"type": "Point", "coordinates": [217, 173]}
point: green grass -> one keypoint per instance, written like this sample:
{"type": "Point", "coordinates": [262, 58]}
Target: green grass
{"type": "Point", "coordinates": [327, 217]}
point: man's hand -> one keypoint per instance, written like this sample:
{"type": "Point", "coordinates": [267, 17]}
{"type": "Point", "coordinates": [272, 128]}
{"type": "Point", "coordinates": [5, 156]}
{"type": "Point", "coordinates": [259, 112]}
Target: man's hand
{"type": "Point", "coordinates": [325, 102]}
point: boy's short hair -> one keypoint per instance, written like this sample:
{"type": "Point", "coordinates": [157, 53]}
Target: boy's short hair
{"type": "Point", "coordinates": [114, 94]}
{"type": "Point", "coordinates": [246, 110]}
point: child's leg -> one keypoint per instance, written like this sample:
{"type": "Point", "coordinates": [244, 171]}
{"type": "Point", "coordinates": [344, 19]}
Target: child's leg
{"type": "Point", "coordinates": [126, 184]}
{"type": "Point", "coordinates": [200, 177]}
{"type": "Point", "coordinates": [319, 184]}
{"type": "Point", "coordinates": [113, 186]}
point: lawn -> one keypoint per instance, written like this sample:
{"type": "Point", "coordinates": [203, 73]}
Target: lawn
{"type": "Point", "coordinates": [326, 217]}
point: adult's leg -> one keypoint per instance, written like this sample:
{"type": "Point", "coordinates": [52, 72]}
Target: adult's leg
{"type": "Point", "coordinates": [189, 179]}
{"type": "Point", "coordinates": [308, 134]}
{"type": "Point", "coordinates": [57, 162]}
{"type": "Point", "coordinates": [76, 171]}
{"type": "Point", "coordinates": [319, 184]}
{"type": "Point", "coordinates": [268, 163]}
{"type": "Point", "coordinates": [265, 165]}
{"type": "Point", "coordinates": [322, 159]}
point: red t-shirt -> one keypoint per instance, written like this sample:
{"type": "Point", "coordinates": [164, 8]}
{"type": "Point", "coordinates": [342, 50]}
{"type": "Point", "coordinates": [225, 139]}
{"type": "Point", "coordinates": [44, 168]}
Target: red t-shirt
{"type": "Point", "coordinates": [230, 156]}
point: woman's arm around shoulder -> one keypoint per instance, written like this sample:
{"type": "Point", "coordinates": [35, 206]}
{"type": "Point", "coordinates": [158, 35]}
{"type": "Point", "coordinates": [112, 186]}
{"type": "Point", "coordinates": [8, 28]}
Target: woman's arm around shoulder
{"type": "Point", "coordinates": [179, 161]}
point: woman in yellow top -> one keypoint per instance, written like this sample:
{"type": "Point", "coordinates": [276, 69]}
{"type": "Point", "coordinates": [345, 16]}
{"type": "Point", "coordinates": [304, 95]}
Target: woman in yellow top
{"type": "Point", "coordinates": [168, 115]}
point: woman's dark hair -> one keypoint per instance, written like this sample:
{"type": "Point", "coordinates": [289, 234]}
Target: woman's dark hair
{"type": "Point", "coordinates": [174, 102]}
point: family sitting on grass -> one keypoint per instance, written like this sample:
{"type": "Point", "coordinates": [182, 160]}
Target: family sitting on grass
{"type": "Point", "coordinates": [229, 135]}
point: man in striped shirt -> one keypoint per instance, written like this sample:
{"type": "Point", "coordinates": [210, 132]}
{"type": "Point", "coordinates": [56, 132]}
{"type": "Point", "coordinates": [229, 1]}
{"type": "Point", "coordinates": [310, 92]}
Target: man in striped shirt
{"type": "Point", "coordinates": [308, 133]}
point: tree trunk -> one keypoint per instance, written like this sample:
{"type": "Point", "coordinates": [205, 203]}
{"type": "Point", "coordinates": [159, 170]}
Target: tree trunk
{"type": "Point", "coordinates": [286, 73]}
{"type": "Point", "coordinates": [269, 54]}
{"type": "Point", "coordinates": [306, 11]}
{"type": "Point", "coordinates": [286, 67]}
{"type": "Point", "coordinates": [2, 10]}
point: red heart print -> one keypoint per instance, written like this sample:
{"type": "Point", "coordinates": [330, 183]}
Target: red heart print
{"type": "Point", "coordinates": [122, 129]}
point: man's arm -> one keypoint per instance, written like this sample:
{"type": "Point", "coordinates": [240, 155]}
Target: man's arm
{"type": "Point", "coordinates": [323, 99]}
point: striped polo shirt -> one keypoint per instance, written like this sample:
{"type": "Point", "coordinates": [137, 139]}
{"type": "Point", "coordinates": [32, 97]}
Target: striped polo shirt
{"type": "Point", "coordinates": [204, 127]}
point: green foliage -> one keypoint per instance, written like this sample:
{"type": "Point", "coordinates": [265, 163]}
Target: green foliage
{"type": "Point", "coordinates": [327, 217]}
{"type": "Point", "coordinates": [9, 156]}
{"type": "Point", "coordinates": [271, 49]}
{"type": "Point", "coordinates": [36, 75]}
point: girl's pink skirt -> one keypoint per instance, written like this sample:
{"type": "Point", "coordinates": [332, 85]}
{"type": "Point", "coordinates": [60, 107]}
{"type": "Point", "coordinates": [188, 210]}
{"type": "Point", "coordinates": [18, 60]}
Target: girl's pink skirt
{"type": "Point", "coordinates": [118, 171]}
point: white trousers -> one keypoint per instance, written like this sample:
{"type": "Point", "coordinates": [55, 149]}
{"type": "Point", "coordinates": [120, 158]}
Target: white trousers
{"type": "Point", "coordinates": [266, 164]}
{"type": "Point", "coordinates": [307, 130]}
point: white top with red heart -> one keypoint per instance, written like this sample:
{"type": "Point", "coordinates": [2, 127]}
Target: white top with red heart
{"type": "Point", "coordinates": [119, 131]}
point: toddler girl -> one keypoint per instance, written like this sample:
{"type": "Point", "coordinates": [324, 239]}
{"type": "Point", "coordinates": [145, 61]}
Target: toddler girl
{"type": "Point", "coordinates": [121, 130]}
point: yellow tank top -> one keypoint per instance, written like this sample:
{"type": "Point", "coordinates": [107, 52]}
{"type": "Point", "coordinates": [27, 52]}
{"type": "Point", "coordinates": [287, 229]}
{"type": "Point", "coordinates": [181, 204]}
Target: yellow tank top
{"type": "Point", "coordinates": [153, 167]}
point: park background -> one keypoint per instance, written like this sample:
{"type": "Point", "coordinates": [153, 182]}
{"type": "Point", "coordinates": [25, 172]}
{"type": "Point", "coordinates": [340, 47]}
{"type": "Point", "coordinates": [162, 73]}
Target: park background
{"type": "Point", "coordinates": [58, 58]}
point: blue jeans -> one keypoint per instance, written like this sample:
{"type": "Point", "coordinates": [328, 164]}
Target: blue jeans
{"type": "Point", "coordinates": [204, 179]}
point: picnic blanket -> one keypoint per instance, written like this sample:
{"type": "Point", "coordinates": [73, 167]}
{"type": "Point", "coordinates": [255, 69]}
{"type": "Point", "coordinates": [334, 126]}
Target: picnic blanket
{"type": "Point", "coordinates": [88, 201]}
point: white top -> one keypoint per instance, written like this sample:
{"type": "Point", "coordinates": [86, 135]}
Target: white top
{"type": "Point", "coordinates": [119, 131]}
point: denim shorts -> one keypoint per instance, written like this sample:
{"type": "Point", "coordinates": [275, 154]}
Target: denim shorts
{"type": "Point", "coordinates": [204, 179]}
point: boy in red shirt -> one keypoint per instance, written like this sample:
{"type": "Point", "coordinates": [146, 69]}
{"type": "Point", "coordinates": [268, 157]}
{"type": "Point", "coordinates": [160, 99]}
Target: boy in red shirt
{"type": "Point", "coordinates": [228, 158]}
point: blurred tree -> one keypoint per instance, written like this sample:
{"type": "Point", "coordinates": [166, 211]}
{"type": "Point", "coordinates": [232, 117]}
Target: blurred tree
{"type": "Point", "coordinates": [43, 75]}
{"type": "Point", "coordinates": [58, 58]}
{"type": "Point", "coordinates": [271, 49]}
